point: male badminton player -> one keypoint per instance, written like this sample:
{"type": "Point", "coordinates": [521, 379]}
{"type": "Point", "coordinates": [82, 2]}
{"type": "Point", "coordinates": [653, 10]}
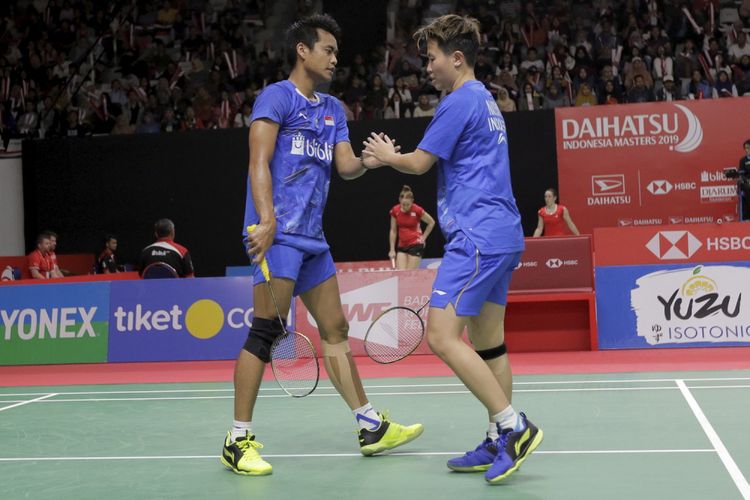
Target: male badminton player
{"type": "Point", "coordinates": [484, 240]}
{"type": "Point", "coordinates": [295, 136]}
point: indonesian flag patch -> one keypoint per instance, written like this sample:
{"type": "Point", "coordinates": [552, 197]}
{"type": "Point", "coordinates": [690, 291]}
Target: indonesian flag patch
{"type": "Point", "coordinates": [328, 120]}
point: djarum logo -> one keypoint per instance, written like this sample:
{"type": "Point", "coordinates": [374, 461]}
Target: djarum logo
{"type": "Point", "coordinates": [363, 305]}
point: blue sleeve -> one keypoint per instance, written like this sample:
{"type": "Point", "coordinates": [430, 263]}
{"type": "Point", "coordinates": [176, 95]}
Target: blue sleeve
{"type": "Point", "coordinates": [273, 103]}
{"type": "Point", "coordinates": [445, 129]}
{"type": "Point", "coordinates": [342, 129]}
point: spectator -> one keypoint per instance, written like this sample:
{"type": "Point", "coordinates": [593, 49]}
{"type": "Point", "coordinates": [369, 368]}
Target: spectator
{"type": "Point", "coordinates": [169, 122]}
{"type": "Point", "coordinates": [532, 60]}
{"type": "Point", "coordinates": [699, 87]}
{"type": "Point", "coordinates": [504, 102]}
{"type": "Point", "coordinates": [585, 96]}
{"type": "Point", "coordinates": [29, 121]}
{"type": "Point", "coordinates": [724, 86]}
{"type": "Point", "coordinates": [506, 64]}
{"type": "Point", "coordinates": [739, 48]}
{"type": "Point", "coordinates": [166, 251]}
{"type": "Point", "coordinates": [404, 93]}
{"type": "Point", "coordinates": [743, 76]}
{"type": "Point", "coordinates": [637, 67]}
{"type": "Point", "coordinates": [191, 122]}
{"type": "Point", "coordinates": [122, 126]}
{"type": "Point", "coordinates": [72, 127]}
{"type": "Point", "coordinates": [396, 108]}
{"type": "Point", "coordinates": [425, 107]}
{"type": "Point", "coordinates": [609, 94]}
{"type": "Point", "coordinates": [106, 263]}
{"type": "Point", "coordinates": [38, 262]}
{"type": "Point", "coordinates": [149, 125]}
{"type": "Point", "coordinates": [555, 98]}
{"type": "Point", "coordinates": [639, 92]}
{"type": "Point", "coordinates": [244, 117]}
{"type": "Point", "coordinates": [54, 269]}
{"type": "Point", "coordinates": [377, 97]}
{"type": "Point", "coordinates": [663, 64]}
{"type": "Point", "coordinates": [530, 99]}
{"type": "Point", "coordinates": [669, 91]}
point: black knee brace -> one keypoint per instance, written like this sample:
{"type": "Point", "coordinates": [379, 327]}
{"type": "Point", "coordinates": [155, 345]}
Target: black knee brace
{"type": "Point", "coordinates": [261, 336]}
{"type": "Point", "coordinates": [493, 353]}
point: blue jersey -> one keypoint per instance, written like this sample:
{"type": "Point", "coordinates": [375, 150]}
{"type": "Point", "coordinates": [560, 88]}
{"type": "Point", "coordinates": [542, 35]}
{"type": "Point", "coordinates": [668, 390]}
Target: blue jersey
{"type": "Point", "coordinates": [301, 163]}
{"type": "Point", "coordinates": [475, 197]}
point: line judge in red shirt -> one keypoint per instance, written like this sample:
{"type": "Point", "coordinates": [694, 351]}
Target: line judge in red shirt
{"type": "Point", "coordinates": [406, 219]}
{"type": "Point", "coordinates": [553, 217]}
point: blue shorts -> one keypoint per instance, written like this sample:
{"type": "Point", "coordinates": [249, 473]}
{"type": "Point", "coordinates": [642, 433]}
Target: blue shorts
{"type": "Point", "coordinates": [468, 279]}
{"type": "Point", "coordinates": [306, 269]}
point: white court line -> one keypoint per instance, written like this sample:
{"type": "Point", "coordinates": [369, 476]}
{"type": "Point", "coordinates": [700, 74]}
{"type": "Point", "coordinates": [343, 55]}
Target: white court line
{"type": "Point", "coordinates": [391, 386]}
{"type": "Point", "coordinates": [335, 394]}
{"type": "Point", "coordinates": [324, 395]}
{"type": "Point", "coordinates": [21, 403]}
{"type": "Point", "coordinates": [726, 458]}
{"type": "Point", "coordinates": [719, 387]}
{"type": "Point", "coordinates": [338, 455]}
{"type": "Point", "coordinates": [183, 391]}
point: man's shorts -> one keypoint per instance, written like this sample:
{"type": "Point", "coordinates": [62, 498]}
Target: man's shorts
{"type": "Point", "coordinates": [414, 250]}
{"type": "Point", "coordinates": [306, 269]}
{"type": "Point", "coordinates": [468, 279]}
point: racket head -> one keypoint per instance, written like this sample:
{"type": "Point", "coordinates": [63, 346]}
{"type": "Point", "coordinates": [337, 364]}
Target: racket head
{"type": "Point", "coordinates": [295, 364]}
{"type": "Point", "coordinates": [395, 334]}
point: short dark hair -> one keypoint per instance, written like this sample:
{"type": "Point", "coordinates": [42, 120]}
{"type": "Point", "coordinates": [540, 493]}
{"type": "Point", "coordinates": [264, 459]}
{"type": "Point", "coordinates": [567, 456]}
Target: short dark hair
{"type": "Point", "coordinates": [163, 228]}
{"type": "Point", "coordinates": [453, 33]}
{"type": "Point", "coordinates": [306, 31]}
{"type": "Point", "coordinates": [42, 236]}
{"type": "Point", "coordinates": [109, 237]}
{"type": "Point", "coordinates": [50, 234]}
{"type": "Point", "coordinates": [746, 143]}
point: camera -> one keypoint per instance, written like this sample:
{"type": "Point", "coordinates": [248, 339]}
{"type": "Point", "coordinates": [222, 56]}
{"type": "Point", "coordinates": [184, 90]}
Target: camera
{"type": "Point", "coordinates": [731, 173]}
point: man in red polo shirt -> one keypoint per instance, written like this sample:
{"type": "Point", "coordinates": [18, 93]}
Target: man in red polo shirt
{"type": "Point", "coordinates": [38, 261]}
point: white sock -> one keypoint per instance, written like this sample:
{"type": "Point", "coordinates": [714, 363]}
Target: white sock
{"type": "Point", "coordinates": [492, 431]}
{"type": "Point", "coordinates": [508, 419]}
{"type": "Point", "coordinates": [240, 429]}
{"type": "Point", "coordinates": [367, 418]}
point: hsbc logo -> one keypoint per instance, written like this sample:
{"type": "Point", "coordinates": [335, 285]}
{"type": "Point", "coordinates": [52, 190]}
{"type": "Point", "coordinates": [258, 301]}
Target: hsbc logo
{"type": "Point", "coordinates": [555, 263]}
{"type": "Point", "coordinates": [659, 187]}
{"type": "Point", "coordinates": [605, 185]}
{"type": "Point", "coordinates": [673, 245]}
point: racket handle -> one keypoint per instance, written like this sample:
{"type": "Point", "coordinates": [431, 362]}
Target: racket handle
{"type": "Point", "coordinates": [393, 263]}
{"type": "Point", "coordinates": [263, 263]}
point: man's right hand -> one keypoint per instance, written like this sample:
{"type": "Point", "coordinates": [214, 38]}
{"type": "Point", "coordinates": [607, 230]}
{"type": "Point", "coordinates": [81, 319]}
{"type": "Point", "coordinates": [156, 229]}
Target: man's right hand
{"type": "Point", "coordinates": [260, 237]}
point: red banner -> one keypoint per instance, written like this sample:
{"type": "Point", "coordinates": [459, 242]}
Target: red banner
{"type": "Point", "coordinates": [554, 264]}
{"type": "Point", "coordinates": [672, 244]}
{"type": "Point", "coordinates": [650, 164]}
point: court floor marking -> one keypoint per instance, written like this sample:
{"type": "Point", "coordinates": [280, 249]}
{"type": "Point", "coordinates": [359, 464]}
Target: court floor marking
{"type": "Point", "coordinates": [390, 386]}
{"type": "Point", "coordinates": [21, 403]}
{"type": "Point", "coordinates": [726, 458]}
{"type": "Point", "coordinates": [335, 394]}
{"type": "Point", "coordinates": [339, 455]}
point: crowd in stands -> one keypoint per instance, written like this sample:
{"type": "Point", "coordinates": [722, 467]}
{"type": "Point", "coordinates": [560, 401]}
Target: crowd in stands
{"type": "Point", "coordinates": [80, 67]}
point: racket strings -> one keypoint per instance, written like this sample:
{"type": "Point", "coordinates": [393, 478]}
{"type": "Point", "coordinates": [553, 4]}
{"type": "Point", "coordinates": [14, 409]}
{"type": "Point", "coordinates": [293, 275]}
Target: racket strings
{"type": "Point", "coordinates": [394, 335]}
{"type": "Point", "coordinates": [295, 364]}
